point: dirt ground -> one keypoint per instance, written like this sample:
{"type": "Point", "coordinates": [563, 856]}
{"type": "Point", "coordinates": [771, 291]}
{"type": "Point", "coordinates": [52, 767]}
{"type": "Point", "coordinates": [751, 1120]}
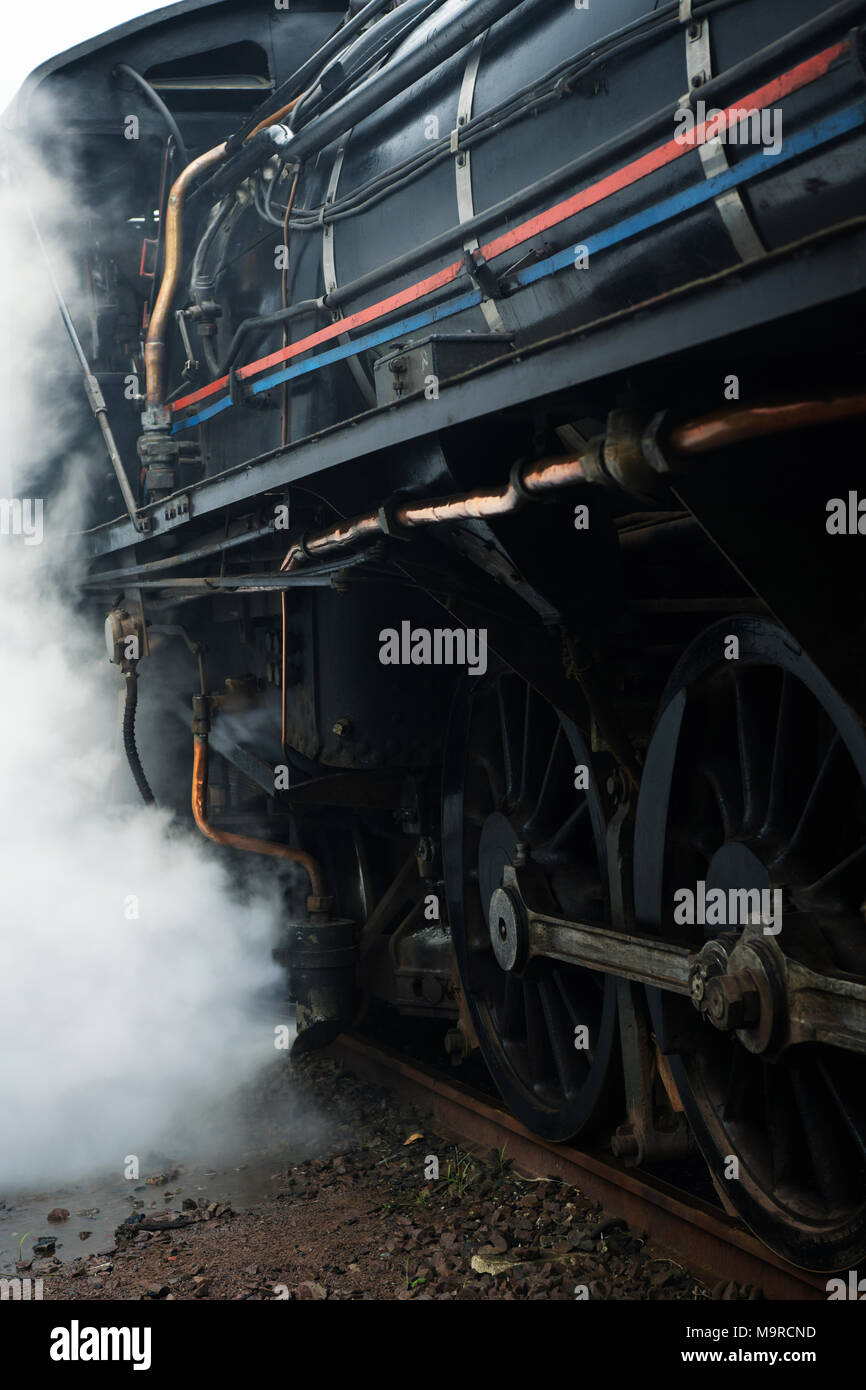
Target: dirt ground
{"type": "Point", "coordinates": [369, 1219]}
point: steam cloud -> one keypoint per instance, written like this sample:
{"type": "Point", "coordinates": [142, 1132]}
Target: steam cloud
{"type": "Point", "coordinates": [110, 1021]}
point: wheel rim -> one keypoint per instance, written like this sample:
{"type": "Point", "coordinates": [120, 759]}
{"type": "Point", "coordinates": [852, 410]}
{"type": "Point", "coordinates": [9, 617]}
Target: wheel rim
{"type": "Point", "coordinates": [756, 777]}
{"type": "Point", "coordinates": [509, 778]}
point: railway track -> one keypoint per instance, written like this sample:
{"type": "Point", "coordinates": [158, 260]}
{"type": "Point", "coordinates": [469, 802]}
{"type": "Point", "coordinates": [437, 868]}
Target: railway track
{"type": "Point", "coordinates": [711, 1244]}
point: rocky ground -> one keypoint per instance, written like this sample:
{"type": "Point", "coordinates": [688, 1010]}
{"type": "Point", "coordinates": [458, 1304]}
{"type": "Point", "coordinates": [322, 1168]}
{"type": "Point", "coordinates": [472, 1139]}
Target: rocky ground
{"type": "Point", "coordinates": [369, 1220]}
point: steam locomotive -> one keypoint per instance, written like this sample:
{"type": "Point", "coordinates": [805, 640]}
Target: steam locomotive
{"type": "Point", "coordinates": [483, 395]}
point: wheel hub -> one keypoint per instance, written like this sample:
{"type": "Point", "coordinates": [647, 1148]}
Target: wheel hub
{"type": "Point", "coordinates": [508, 934]}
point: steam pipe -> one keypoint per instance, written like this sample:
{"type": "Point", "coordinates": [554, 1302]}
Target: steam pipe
{"type": "Point", "coordinates": [298, 81]}
{"type": "Point", "coordinates": [262, 138]}
{"type": "Point", "coordinates": [255, 325]}
{"type": "Point", "coordinates": [724, 427]}
{"type": "Point", "coordinates": [373, 93]}
{"type": "Point", "coordinates": [547, 475]}
{"type": "Point", "coordinates": [526, 481]}
{"type": "Point", "coordinates": [156, 101]}
{"type": "Point", "coordinates": [311, 866]}
{"type": "Point", "coordinates": [154, 348]}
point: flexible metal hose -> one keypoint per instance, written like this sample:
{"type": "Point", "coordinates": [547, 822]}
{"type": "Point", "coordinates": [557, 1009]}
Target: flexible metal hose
{"type": "Point", "coordinates": [130, 749]}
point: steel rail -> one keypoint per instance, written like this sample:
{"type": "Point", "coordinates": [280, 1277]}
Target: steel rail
{"type": "Point", "coordinates": [713, 1245]}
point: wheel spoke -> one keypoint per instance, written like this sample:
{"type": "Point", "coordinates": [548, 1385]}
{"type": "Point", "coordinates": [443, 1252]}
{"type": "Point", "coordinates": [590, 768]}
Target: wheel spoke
{"type": "Point", "coordinates": [847, 1096]}
{"type": "Point", "coordinates": [827, 792]}
{"type": "Point", "coordinates": [844, 882]}
{"type": "Point", "coordinates": [509, 723]}
{"type": "Point", "coordinates": [537, 1038]}
{"type": "Point", "coordinates": [561, 1038]}
{"type": "Point", "coordinates": [569, 825]}
{"type": "Point", "coordinates": [823, 1136]}
{"type": "Point", "coordinates": [549, 783]}
{"type": "Point", "coordinates": [753, 725]}
{"type": "Point", "coordinates": [510, 1014]}
{"type": "Point", "coordinates": [744, 1087]}
{"type": "Point", "coordinates": [789, 776]}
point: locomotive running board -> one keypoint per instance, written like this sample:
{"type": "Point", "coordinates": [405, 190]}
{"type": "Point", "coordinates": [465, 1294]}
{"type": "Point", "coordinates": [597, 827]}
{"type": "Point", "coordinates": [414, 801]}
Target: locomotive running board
{"type": "Point", "coordinates": [705, 310]}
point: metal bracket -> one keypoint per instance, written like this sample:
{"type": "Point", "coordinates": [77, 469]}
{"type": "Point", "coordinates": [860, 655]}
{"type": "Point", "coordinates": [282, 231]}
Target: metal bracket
{"type": "Point", "coordinates": [714, 160]}
{"type": "Point", "coordinates": [655, 1130]}
{"type": "Point", "coordinates": [463, 169]}
{"type": "Point", "coordinates": [480, 273]}
{"type": "Point", "coordinates": [191, 365]}
{"type": "Point", "coordinates": [329, 270]}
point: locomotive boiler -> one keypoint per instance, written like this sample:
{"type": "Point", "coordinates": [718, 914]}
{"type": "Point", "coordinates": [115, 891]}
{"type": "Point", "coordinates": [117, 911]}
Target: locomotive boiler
{"type": "Point", "coordinates": [482, 387]}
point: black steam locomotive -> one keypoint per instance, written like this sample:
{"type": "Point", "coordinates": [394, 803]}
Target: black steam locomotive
{"type": "Point", "coordinates": [483, 390]}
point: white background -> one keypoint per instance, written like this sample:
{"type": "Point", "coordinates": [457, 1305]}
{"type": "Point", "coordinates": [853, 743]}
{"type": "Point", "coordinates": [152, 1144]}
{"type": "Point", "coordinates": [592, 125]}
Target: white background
{"type": "Point", "coordinates": [34, 32]}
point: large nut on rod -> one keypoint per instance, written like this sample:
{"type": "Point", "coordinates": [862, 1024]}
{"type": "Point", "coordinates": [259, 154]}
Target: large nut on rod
{"type": "Point", "coordinates": [732, 1001]}
{"type": "Point", "coordinates": [711, 961]}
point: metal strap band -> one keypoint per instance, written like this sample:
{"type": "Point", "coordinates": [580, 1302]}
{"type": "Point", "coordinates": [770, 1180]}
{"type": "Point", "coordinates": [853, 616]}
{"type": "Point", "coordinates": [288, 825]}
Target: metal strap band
{"type": "Point", "coordinates": [714, 159]}
{"type": "Point", "coordinates": [463, 168]}
{"type": "Point", "coordinates": [329, 268]}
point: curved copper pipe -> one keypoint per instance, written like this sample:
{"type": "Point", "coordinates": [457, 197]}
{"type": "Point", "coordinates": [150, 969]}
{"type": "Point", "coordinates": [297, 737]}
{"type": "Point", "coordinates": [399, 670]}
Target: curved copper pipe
{"type": "Point", "coordinates": [544, 475]}
{"type": "Point", "coordinates": [275, 118]}
{"type": "Point", "coordinates": [154, 348]}
{"type": "Point", "coordinates": [725, 427]}
{"type": "Point", "coordinates": [245, 842]}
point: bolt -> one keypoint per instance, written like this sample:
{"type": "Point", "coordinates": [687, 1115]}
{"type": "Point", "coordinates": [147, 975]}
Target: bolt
{"type": "Point", "coordinates": [732, 1001]}
{"type": "Point", "coordinates": [342, 728]}
{"type": "Point", "coordinates": [455, 1045]}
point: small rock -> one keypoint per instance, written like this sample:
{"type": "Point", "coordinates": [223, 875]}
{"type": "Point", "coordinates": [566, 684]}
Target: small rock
{"type": "Point", "coordinates": [58, 1214]}
{"type": "Point", "coordinates": [311, 1290]}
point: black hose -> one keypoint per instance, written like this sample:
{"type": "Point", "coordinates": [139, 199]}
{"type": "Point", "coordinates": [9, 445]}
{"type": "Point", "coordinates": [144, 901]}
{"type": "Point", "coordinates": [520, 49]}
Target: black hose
{"type": "Point", "coordinates": [370, 96]}
{"type": "Point", "coordinates": [253, 325]}
{"type": "Point", "coordinates": [300, 79]}
{"type": "Point", "coordinates": [788, 46]}
{"type": "Point", "coordinates": [352, 65]}
{"type": "Point", "coordinates": [218, 217]}
{"type": "Point", "coordinates": [159, 105]}
{"type": "Point", "coordinates": [129, 739]}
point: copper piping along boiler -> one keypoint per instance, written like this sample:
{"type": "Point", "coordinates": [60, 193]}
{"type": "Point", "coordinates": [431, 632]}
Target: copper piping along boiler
{"type": "Point", "coordinates": [311, 866]}
{"type": "Point", "coordinates": [724, 427]}
{"type": "Point", "coordinates": [154, 350]}
{"type": "Point", "coordinates": [527, 480]}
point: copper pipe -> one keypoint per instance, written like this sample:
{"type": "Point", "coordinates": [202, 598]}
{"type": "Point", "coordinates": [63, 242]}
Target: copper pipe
{"type": "Point", "coordinates": [275, 118]}
{"type": "Point", "coordinates": [154, 348]}
{"type": "Point", "coordinates": [725, 427]}
{"type": "Point", "coordinates": [544, 475]}
{"type": "Point", "coordinates": [310, 865]}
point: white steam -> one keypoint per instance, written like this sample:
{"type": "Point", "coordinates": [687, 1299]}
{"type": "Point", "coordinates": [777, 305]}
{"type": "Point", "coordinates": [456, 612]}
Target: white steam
{"type": "Point", "coordinates": [132, 971]}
